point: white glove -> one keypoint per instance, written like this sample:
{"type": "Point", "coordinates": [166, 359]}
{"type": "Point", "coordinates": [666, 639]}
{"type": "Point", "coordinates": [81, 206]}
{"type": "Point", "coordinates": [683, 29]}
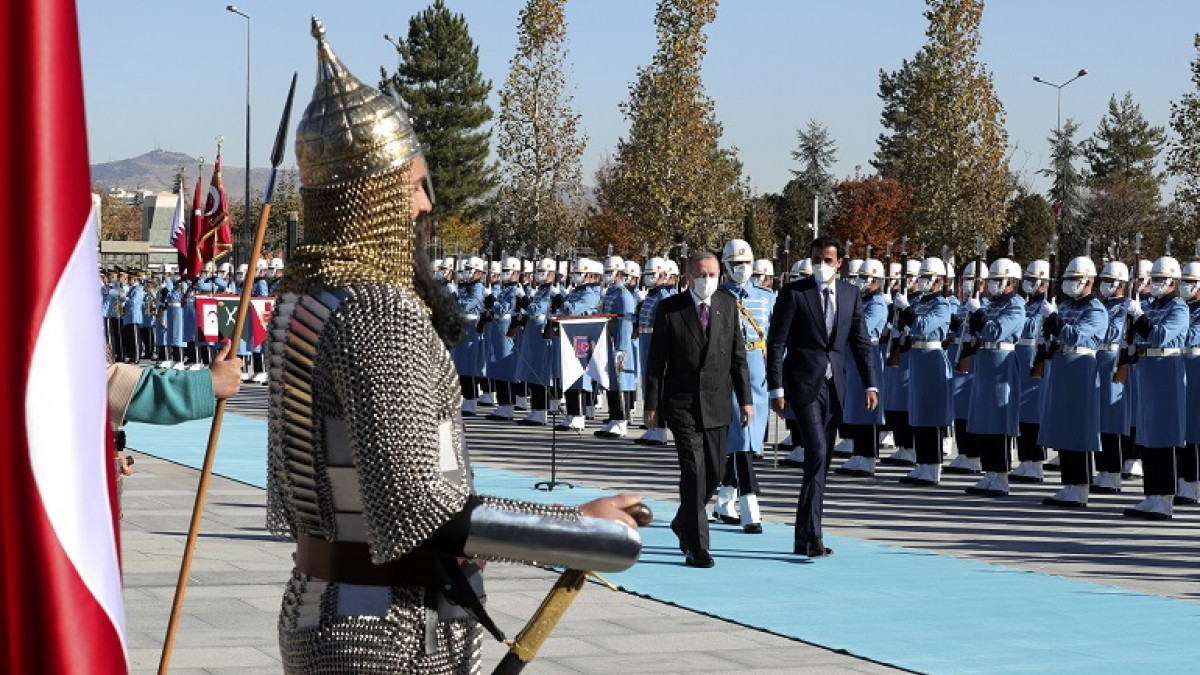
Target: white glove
{"type": "Point", "coordinates": [453, 287]}
{"type": "Point", "coordinates": [887, 298]}
{"type": "Point", "coordinates": [641, 293]}
{"type": "Point", "coordinates": [1135, 309]}
{"type": "Point", "coordinates": [901, 301]}
{"type": "Point", "coordinates": [487, 290]}
{"type": "Point", "coordinates": [555, 290]}
{"type": "Point", "coordinates": [972, 304]}
{"type": "Point", "coordinates": [1048, 307]}
{"type": "Point", "coordinates": [520, 292]}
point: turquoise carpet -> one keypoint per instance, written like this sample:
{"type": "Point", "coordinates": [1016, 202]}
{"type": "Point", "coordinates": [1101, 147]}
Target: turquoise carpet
{"type": "Point", "coordinates": [908, 608]}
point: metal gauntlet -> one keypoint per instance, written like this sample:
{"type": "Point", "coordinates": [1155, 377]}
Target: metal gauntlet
{"type": "Point", "coordinates": [591, 544]}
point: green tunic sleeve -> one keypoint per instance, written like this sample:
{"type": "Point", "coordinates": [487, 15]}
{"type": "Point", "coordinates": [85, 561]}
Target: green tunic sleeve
{"type": "Point", "coordinates": [172, 396]}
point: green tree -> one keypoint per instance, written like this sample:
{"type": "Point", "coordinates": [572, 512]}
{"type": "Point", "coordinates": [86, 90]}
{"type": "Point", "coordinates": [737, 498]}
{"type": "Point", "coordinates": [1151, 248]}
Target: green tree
{"type": "Point", "coordinates": [1066, 192]}
{"type": "Point", "coordinates": [1183, 157]}
{"type": "Point", "coordinates": [1124, 149]}
{"type": "Point", "coordinates": [540, 143]}
{"type": "Point", "coordinates": [954, 160]}
{"type": "Point", "coordinates": [896, 89]}
{"type": "Point", "coordinates": [758, 226]}
{"type": "Point", "coordinates": [673, 179]}
{"type": "Point", "coordinates": [1030, 226]}
{"type": "Point", "coordinates": [816, 152]}
{"type": "Point", "coordinates": [439, 82]}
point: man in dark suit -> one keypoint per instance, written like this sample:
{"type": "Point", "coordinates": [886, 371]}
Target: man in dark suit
{"type": "Point", "coordinates": [697, 361]}
{"type": "Point", "coordinates": [816, 321]}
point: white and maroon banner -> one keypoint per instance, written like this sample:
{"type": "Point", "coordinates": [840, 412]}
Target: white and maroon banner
{"type": "Point", "coordinates": [60, 577]}
{"type": "Point", "coordinates": [216, 315]}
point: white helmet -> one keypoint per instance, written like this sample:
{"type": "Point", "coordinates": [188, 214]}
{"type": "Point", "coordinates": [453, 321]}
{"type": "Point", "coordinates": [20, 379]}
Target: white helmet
{"type": "Point", "coordinates": [932, 267]}
{"type": "Point", "coordinates": [632, 270]}
{"type": "Point", "coordinates": [241, 271]}
{"type": "Point", "coordinates": [655, 266]}
{"type": "Point", "coordinates": [969, 271]}
{"type": "Point", "coordinates": [1191, 271]}
{"type": "Point", "coordinates": [764, 268]}
{"type": "Point", "coordinates": [737, 250]}
{"type": "Point", "coordinates": [437, 264]}
{"type": "Point", "coordinates": [527, 267]}
{"type": "Point", "coordinates": [494, 267]}
{"type": "Point", "coordinates": [1004, 268]}
{"type": "Point", "coordinates": [912, 268]}
{"type": "Point", "coordinates": [1081, 267]}
{"type": "Point", "coordinates": [1038, 270]}
{"type": "Point", "coordinates": [1165, 267]}
{"type": "Point", "coordinates": [1116, 270]}
{"type": "Point", "coordinates": [871, 268]}
{"type": "Point", "coordinates": [800, 269]}
{"type": "Point", "coordinates": [276, 263]}
{"type": "Point", "coordinates": [1144, 267]}
{"type": "Point", "coordinates": [226, 268]}
{"type": "Point", "coordinates": [210, 267]}
{"type": "Point", "coordinates": [894, 271]}
{"type": "Point", "coordinates": [581, 266]}
{"type": "Point", "coordinates": [563, 267]}
{"type": "Point", "coordinates": [545, 265]}
{"type": "Point", "coordinates": [672, 268]}
{"type": "Point", "coordinates": [855, 266]}
{"type": "Point", "coordinates": [476, 264]}
{"type": "Point", "coordinates": [510, 264]}
{"type": "Point", "coordinates": [592, 266]}
{"type": "Point", "coordinates": [448, 263]}
{"type": "Point", "coordinates": [261, 266]}
{"type": "Point", "coordinates": [614, 263]}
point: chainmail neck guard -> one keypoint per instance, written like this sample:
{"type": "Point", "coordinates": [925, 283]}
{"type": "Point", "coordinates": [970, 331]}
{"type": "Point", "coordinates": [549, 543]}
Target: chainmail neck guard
{"type": "Point", "coordinates": [356, 232]}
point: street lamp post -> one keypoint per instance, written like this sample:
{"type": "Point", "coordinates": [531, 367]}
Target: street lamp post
{"type": "Point", "coordinates": [1058, 131]}
{"type": "Point", "coordinates": [249, 230]}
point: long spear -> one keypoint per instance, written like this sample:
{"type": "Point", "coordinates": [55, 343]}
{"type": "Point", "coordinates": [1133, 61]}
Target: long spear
{"type": "Point", "coordinates": [215, 432]}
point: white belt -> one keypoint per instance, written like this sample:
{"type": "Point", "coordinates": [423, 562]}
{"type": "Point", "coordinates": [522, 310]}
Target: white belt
{"type": "Point", "coordinates": [918, 344]}
{"type": "Point", "coordinates": [1192, 351]}
{"type": "Point", "coordinates": [471, 317]}
{"type": "Point", "coordinates": [1169, 351]}
{"type": "Point", "coordinates": [874, 341]}
{"type": "Point", "coordinates": [1086, 351]}
{"type": "Point", "coordinates": [174, 304]}
{"type": "Point", "coordinates": [998, 346]}
{"type": "Point", "coordinates": [1110, 347]}
{"type": "Point", "coordinates": [540, 317]}
{"type": "Point", "coordinates": [504, 317]}
{"type": "Point", "coordinates": [1027, 342]}
{"type": "Point", "coordinates": [645, 331]}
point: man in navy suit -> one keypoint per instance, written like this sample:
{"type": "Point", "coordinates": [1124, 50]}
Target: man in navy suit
{"type": "Point", "coordinates": [817, 319]}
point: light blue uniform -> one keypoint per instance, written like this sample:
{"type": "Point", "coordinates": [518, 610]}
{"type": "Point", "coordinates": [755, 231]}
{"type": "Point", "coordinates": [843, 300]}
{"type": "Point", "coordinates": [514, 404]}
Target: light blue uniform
{"type": "Point", "coordinates": [960, 382]}
{"type": "Point", "coordinates": [1071, 390]}
{"type": "Point", "coordinates": [205, 286]}
{"type": "Point", "coordinates": [174, 313]}
{"type": "Point", "coordinates": [501, 349]}
{"type": "Point", "coordinates": [109, 293]}
{"type": "Point", "coordinates": [895, 380]}
{"type": "Point", "coordinates": [874, 316]}
{"type": "Point", "coordinates": [995, 388]}
{"type": "Point", "coordinates": [622, 361]}
{"type": "Point", "coordinates": [1161, 418]}
{"type": "Point", "coordinates": [646, 324]}
{"type": "Point", "coordinates": [1115, 417]}
{"type": "Point", "coordinates": [1191, 362]}
{"type": "Point", "coordinates": [470, 355]}
{"type": "Point", "coordinates": [760, 304]}
{"type": "Point", "coordinates": [135, 306]}
{"type": "Point", "coordinates": [1031, 388]}
{"type": "Point", "coordinates": [537, 363]}
{"type": "Point", "coordinates": [930, 401]}
{"type": "Point", "coordinates": [583, 299]}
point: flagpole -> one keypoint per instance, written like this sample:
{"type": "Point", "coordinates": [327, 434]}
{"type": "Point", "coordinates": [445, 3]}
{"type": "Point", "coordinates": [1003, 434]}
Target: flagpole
{"type": "Point", "coordinates": [215, 432]}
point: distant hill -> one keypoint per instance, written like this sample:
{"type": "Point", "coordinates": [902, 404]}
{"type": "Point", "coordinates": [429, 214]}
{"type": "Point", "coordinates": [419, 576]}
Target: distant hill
{"type": "Point", "coordinates": [156, 170]}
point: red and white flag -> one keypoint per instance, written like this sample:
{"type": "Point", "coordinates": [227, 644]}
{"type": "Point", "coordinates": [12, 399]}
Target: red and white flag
{"type": "Point", "coordinates": [60, 578]}
{"type": "Point", "coordinates": [195, 260]}
{"type": "Point", "coordinates": [179, 233]}
{"type": "Point", "coordinates": [217, 237]}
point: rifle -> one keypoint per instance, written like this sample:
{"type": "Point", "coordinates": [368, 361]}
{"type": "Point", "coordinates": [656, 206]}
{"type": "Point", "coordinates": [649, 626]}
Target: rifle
{"type": "Point", "coordinates": [683, 256]}
{"type": "Point", "coordinates": [947, 287]}
{"type": "Point", "coordinates": [1125, 356]}
{"type": "Point", "coordinates": [845, 270]}
{"type": "Point", "coordinates": [1045, 349]}
{"type": "Point", "coordinates": [486, 315]}
{"type": "Point", "coordinates": [965, 351]}
{"type": "Point", "coordinates": [893, 347]}
{"type": "Point", "coordinates": [548, 329]}
{"type": "Point", "coordinates": [513, 323]}
{"type": "Point", "coordinates": [787, 264]}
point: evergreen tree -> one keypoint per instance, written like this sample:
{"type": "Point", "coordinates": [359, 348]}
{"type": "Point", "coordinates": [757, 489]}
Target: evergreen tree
{"type": "Point", "coordinates": [540, 142]}
{"type": "Point", "coordinates": [896, 89]}
{"type": "Point", "coordinates": [954, 160]}
{"type": "Point", "coordinates": [1183, 158]}
{"type": "Point", "coordinates": [1066, 196]}
{"type": "Point", "coordinates": [674, 181]}
{"type": "Point", "coordinates": [1030, 225]}
{"type": "Point", "coordinates": [445, 94]}
{"type": "Point", "coordinates": [1124, 149]}
{"type": "Point", "coordinates": [816, 153]}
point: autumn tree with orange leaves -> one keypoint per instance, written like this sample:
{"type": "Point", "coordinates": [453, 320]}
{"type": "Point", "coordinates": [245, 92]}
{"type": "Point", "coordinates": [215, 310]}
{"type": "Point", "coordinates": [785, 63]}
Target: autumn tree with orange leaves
{"type": "Point", "coordinates": [870, 210]}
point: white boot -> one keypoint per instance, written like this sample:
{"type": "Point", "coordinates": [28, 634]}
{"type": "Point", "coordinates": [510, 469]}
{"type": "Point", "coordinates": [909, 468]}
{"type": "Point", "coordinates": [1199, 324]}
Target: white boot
{"type": "Point", "coordinates": [844, 447]}
{"type": "Point", "coordinates": [502, 413]}
{"type": "Point", "coordinates": [751, 518]}
{"type": "Point", "coordinates": [964, 464]}
{"type": "Point", "coordinates": [794, 458]}
{"type": "Point", "coordinates": [468, 407]}
{"type": "Point", "coordinates": [1153, 507]}
{"type": "Point", "coordinates": [727, 503]}
{"type": "Point", "coordinates": [866, 468]}
{"type": "Point", "coordinates": [1106, 482]}
{"type": "Point", "coordinates": [571, 423]}
{"type": "Point", "coordinates": [850, 466]}
{"type": "Point", "coordinates": [902, 457]}
{"type": "Point", "coordinates": [197, 366]}
{"type": "Point", "coordinates": [1132, 469]}
{"type": "Point", "coordinates": [487, 398]}
{"type": "Point", "coordinates": [260, 378]}
{"type": "Point", "coordinates": [983, 486]}
{"type": "Point", "coordinates": [928, 475]}
{"type": "Point", "coordinates": [554, 406]}
{"type": "Point", "coordinates": [535, 418]}
{"type": "Point", "coordinates": [948, 445]}
{"type": "Point", "coordinates": [1053, 462]}
{"type": "Point", "coordinates": [614, 429]}
{"type": "Point", "coordinates": [911, 477]}
{"type": "Point", "coordinates": [653, 436]}
{"type": "Point", "coordinates": [1027, 472]}
{"type": "Point", "coordinates": [165, 365]}
{"type": "Point", "coordinates": [522, 403]}
{"type": "Point", "coordinates": [180, 366]}
{"type": "Point", "coordinates": [1186, 492]}
{"type": "Point", "coordinates": [887, 440]}
{"type": "Point", "coordinates": [1070, 496]}
{"type": "Point", "coordinates": [787, 442]}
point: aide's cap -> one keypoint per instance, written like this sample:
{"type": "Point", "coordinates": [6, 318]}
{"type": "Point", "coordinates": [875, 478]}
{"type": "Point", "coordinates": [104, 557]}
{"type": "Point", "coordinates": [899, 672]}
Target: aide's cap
{"type": "Point", "coordinates": [1038, 269]}
{"type": "Point", "coordinates": [1116, 270]}
{"type": "Point", "coordinates": [932, 267]}
{"type": "Point", "coordinates": [1080, 267]}
{"type": "Point", "coordinates": [1166, 266]}
{"type": "Point", "coordinates": [1004, 268]}
{"type": "Point", "coordinates": [737, 250]}
{"type": "Point", "coordinates": [764, 267]}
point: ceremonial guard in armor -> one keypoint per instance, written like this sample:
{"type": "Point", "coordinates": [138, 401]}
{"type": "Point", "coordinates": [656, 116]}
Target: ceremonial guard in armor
{"type": "Point", "coordinates": [993, 409]}
{"type": "Point", "coordinates": [1030, 454]}
{"type": "Point", "coordinates": [968, 459]}
{"type": "Point", "coordinates": [862, 424]}
{"type": "Point", "coordinates": [501, 306]}
{"type": "Point", "coordinates": [134, 305]}
{"type": "Point", "coordinates": [764, 274]}
{"type": "Point", "coordinates": [1070, 392]}
{"type": "Point", "coordinates": [1161, 327]}
{"type": "Point", "coordinates": [896, 379]}
{"type": "Point", "coordinates": [470, 355]}
{"type": "Point", "coordinates": [620, 301]}
{"type": "Point", "coordinates": [537, 363]}
{"type": "Point", "coordinates": [584, 298]}
{"type": "Point", "coordinates": [1115, 417]}
{"type": "Point", "coordinates": [655, 276]}
{"type": "Point", "coordinates": [367, 471]}
{"type": "Point", "coordinates": [930, 401]}
{"type": "Point", "coordinates": [1188, 459]}
{"type": "Point", "coordinates": [737, 498]}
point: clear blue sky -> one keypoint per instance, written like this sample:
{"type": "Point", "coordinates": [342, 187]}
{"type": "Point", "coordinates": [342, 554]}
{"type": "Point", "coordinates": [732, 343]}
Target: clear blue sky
{"type": "Point", "coordinates": [171, 75]}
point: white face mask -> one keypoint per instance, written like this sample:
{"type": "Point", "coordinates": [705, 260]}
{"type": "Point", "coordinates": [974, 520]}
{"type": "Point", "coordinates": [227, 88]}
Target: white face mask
{"type": "Point", "coordinates": [1107, 288]}
{"type": "Point", "coordinates": [576, 279]}
{"type": "Point", "coordinates": [995, 287]}
{"type": "Point", "coordinates": [739, 273]}
{"type": "Point", "coordinates": [1073, 287]}
{"type": "Point", "coordinates": [704, 287]}
{"type": "Point", "coordinates": [612, 277]}
{"type": "Point", "coordinates": [925, 284]}
{"type": "Point", "coordinates": [1159, 288]}
{"type": "Point", "coordinates": [1189, 289]}
{"type": "Point", "coordinates": [1029, 286]}
{"type": "Point", "coordinates": [823, 273]}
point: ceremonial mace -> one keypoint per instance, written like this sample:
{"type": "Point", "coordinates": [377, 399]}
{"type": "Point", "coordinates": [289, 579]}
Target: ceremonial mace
{"type": "Point", "coordinates": [524, 648]}
{"type": "Point", "coordinates": [215, 432]}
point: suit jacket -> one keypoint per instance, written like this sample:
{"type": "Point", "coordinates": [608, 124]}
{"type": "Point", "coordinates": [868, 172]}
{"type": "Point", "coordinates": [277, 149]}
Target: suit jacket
{"type": "Point", "coordinates": [798, 348]}
{"type": "Point", "coordinates": [694, 372]}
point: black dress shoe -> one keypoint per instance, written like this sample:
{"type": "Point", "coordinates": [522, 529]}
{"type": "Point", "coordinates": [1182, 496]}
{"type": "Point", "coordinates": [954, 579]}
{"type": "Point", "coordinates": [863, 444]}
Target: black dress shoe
{"type": "Point", "coordinates": [1145, 515]}
{"type": "Point", "coordinates": [862, 473]}
{"type": "Point", "coordinates": [1183, 501]}
{"type": "Point", "coordinates": [958, 469]}
{"type": "Point", "coordinates": [728, 520]}
{"type": "Point", "coordinates": [816, 548]}
{"type": "Point", "coordinates": [908, 480]}
{"type": "Point", "coordinates": [1064, 504]}
{"type": "Point", "coordinates": [675, 529]}
{"type": "Point", "coordinates": [843, 471]}
{"type": "Point", "coordinates": [698, 558]}
{"type": "Point", "coordinates": [792, 463]}
{"type": "Point", "coordinates": [752, 528]}
{"type": "Point", "coordinates": [606, 434]}
{"type": "Point", "coordinates": [499, 418]}
{"type": "Point", "coordinates": [1025, 479]}
{"type": "Point", "coordinates": [1103, 490]}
